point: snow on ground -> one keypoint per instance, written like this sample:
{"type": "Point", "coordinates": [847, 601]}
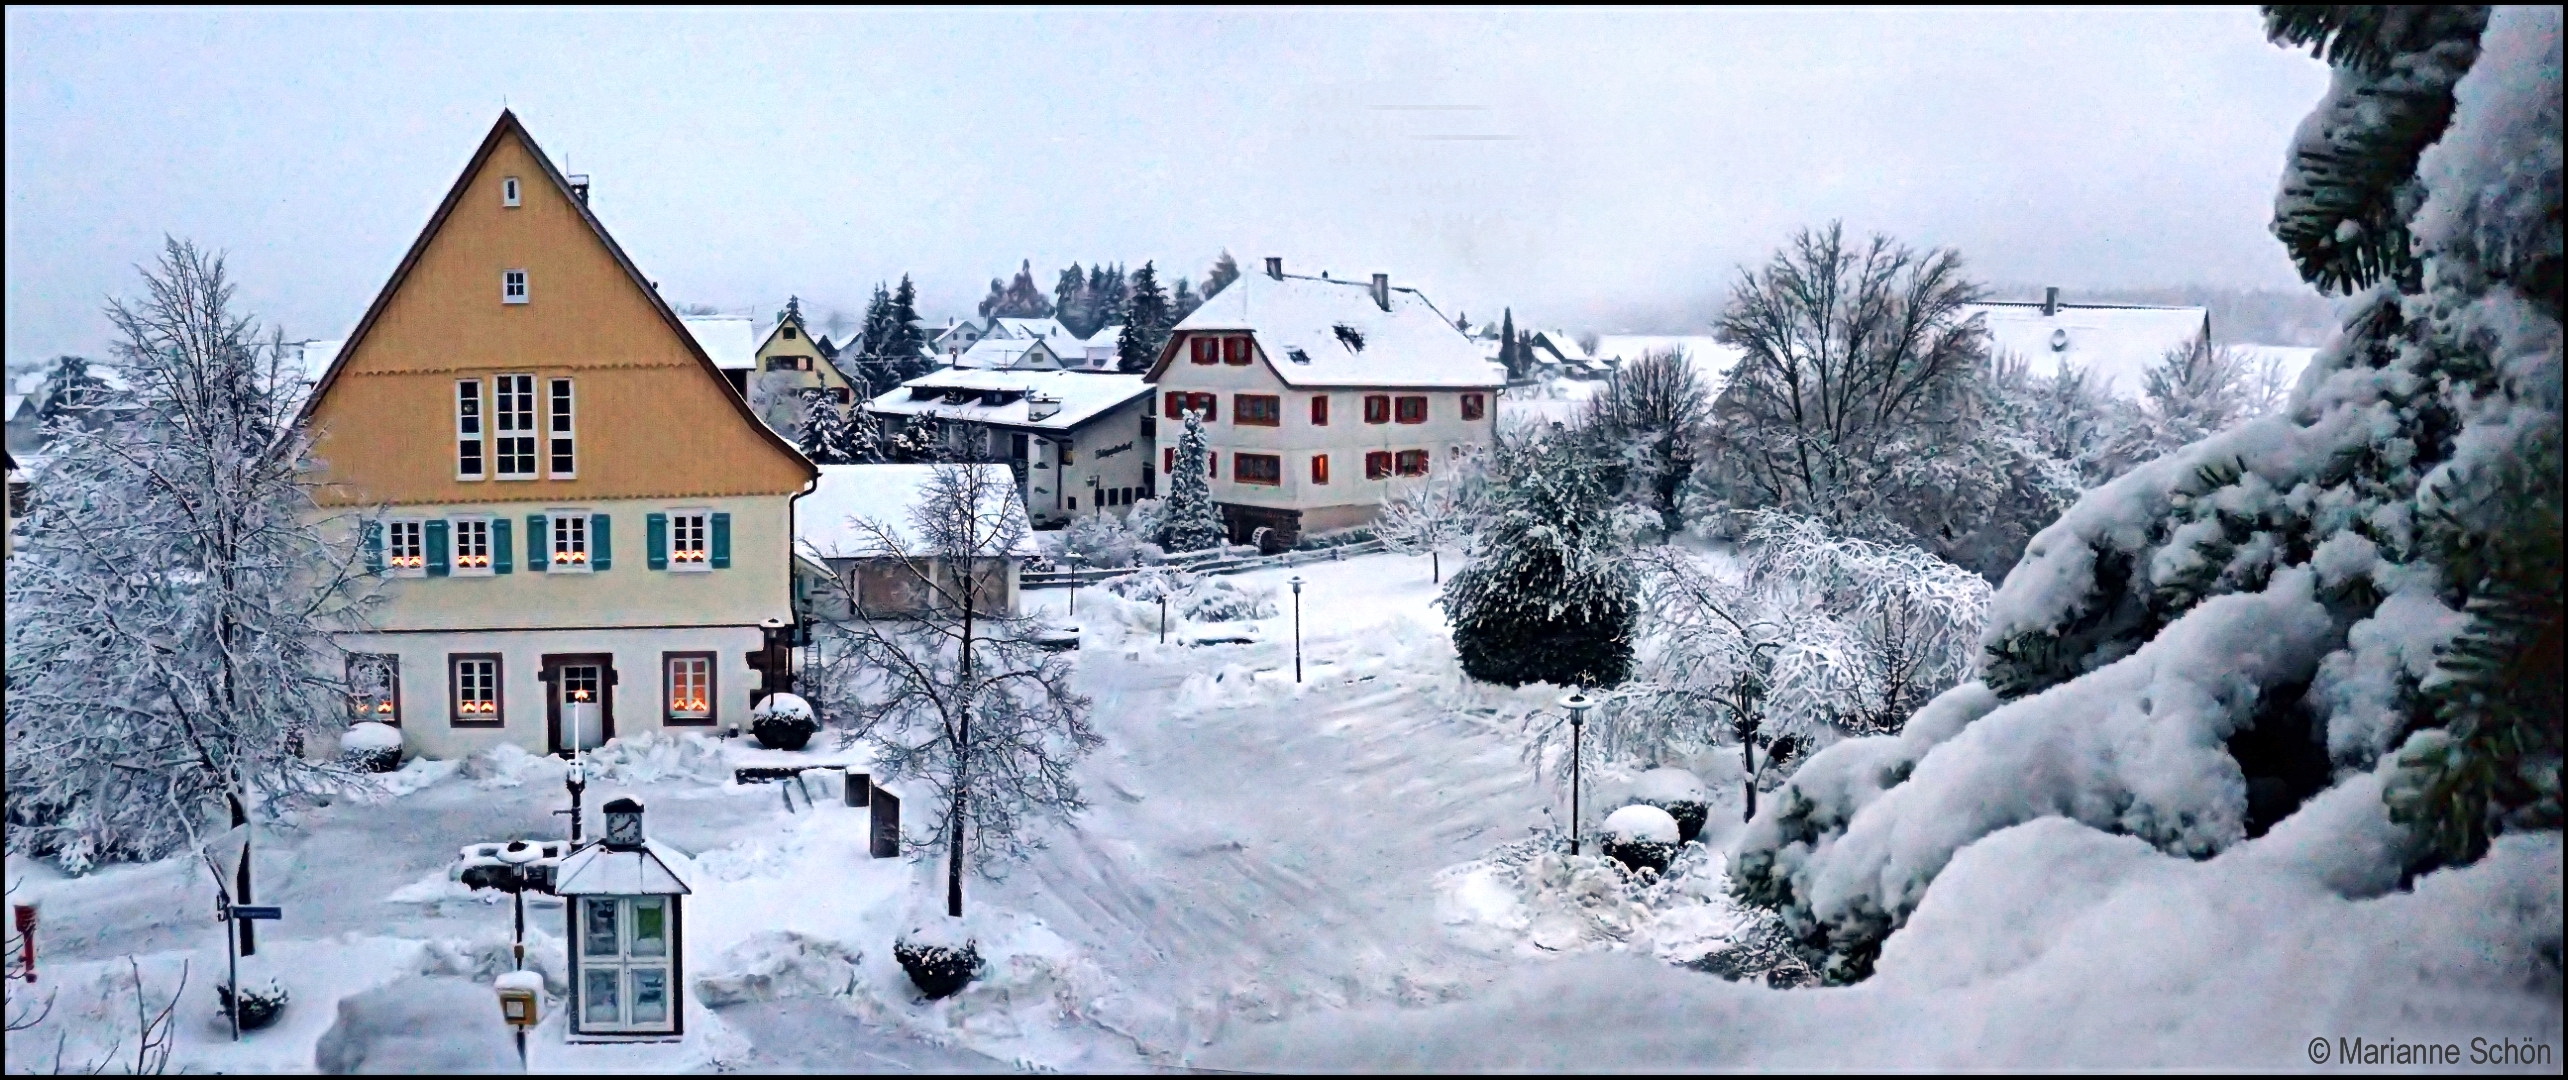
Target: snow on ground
{"type": "Point", "coordinates": [1349, 872]}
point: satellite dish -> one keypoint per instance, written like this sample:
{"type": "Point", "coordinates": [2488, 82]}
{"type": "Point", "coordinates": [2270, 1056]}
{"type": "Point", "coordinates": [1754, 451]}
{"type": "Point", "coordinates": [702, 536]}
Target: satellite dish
{"type": "Point", "coordinates": [2059, 341]}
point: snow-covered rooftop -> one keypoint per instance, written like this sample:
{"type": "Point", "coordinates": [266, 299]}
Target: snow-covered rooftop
{"type": "Point", "coordinates": [1045, 328]}
{"type": "Point", "coordinates": [597, 870]}
{"type": "Point", "coordinates": [825, 521]}
{"type": "Point", "coordinates": [2114, 343]}
{"type": "Point", "coordinates": [1323, 332]}
{"type": "Point", "coordinates": [1081, 396]}
{"type": "Point", "coordinates": [1000, 353]}
{"type": "Point", "coordinates": [1107, 336]}
{"type": "Point", "coordinates": [2289, 360]}
{"type": "Point", "coordinates": [731, 340]}
{"type": "Point", "coordinates": [307, 363]}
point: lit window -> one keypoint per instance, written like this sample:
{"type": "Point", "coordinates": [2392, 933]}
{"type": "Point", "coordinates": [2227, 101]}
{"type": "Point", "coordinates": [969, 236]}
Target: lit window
{"type": "Point", "coordinates": [515, 412]}
{"type": "Point", "coordinates": [475, 680]}
{"type": "Point", "coordinates": [508, 192]}
{"type": "Point", "coordinates": [690, 678]}
{"type": "Point", "coordinates": [512, 286]}
{"type": "Point", "coordinates": [1319, 468]}
{"type": "Point", "coordinates": [405, 548]}
{"type": "Point", "coordinates": [687, 547]}
{"type": "Point", "coordinates": [374, 687]}
{"type": "Point", "coordinates": [468, 429]}
{"type": "Point", "coordinates": [472, 545]}
{"type": "Point", "coordinates": [565, 462]}
{"type": "Point", "coordinates": [570, 541]}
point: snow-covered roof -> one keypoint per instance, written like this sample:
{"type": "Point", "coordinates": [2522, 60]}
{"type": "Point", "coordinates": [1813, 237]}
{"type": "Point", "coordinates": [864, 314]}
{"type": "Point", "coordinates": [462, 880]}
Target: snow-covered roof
{"type": "Point", "coordinates": [1563, 342]}
{"type": "Point", "coordinates": [999, 353]}
{"type": "Point", "coordinates": [2289, 360]}
{"type": "Point", "coordinates": [1712, 360]}
{"type": "Point", "coordinates": [1107, 336]}
{"type": "Point", "coordinates": [825, 520]}
{"type": "Point", "coordinates": [307, 363]}
{"type": "Point", "coordinates": [597, 870]}
{"type": "Point", "coordinates": [1031, 328]}
{"type": "Point", "coordinates": [731, 340]}
{"type": "Point", "coordinates": [2114, 343]}
{"type": "Point", "coordinates": [1080, 396]}
{"type": "Point", "coordinates": [1309, 329]}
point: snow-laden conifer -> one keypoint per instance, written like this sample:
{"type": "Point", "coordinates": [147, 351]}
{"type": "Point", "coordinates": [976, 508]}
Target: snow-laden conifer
{"type": "Point", "coordinates": [1548, 596]}
{"type": "Point", "coordinates": [1189, 520]}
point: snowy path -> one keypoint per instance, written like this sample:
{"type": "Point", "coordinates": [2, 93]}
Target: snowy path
{"type": "Point", "coordinates": [1253, 851]}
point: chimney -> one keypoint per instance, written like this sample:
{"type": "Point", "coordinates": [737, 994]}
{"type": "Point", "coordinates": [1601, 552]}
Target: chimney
{"type": "Point", "coordinates": [579, 187]}
{"type": "Point", "coordinates": [1382, 291]}
{"type": "Point", "coordinates": [2051, 300]}
{"type": "Point", "coordinates": [1275, 267]}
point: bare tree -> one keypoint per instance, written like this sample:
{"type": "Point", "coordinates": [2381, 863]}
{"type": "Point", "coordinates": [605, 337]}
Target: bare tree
{"type": "Point", "coordinates": [1651, 420]}
{"type": "Point", "coordinates": [1433, 512]}
{"type": "Point", "coordinates": [1855, 380]}
{"type": "Point", "coordinates": [947, 682]}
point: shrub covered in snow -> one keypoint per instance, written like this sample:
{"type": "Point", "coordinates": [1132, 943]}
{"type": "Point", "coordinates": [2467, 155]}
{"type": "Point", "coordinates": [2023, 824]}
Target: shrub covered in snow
{"type": "Point", "coordinates": [1193, 597]}
{"type": "Point", "coordinates": [1641, 836]}
{"type": "Point", "coordinates": [939, 955]}
{"type": "Point", "coordinates": [259, 1001]}
{"type": "Point", "coordinates": [2196, 649]}
{"type": "Point", "coordinates": [1102, 540]}
{"type": "Point", "coordinates": [783, 722]}
{"type": "Point", "coordinates": [371, 747]}
{"type": "Point", "coordinates": [1548, 596]}
{"type": "Point", "coordinates": [1678, 792]}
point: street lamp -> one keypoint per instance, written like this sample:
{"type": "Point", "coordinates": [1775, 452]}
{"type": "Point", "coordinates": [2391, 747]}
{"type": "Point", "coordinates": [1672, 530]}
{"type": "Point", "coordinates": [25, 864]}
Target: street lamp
{"type": "Point", "coordinates": [1577, 704]}
{"type": "Point", "coordinates": [1297, 627]}
{"type": "Point", "coordinates": [1075, 560]}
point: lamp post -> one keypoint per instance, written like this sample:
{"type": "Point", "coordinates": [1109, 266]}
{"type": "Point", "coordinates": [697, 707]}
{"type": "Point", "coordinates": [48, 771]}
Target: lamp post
{"type": "Point", "coordinates": [1075, 560]}
{"type": "Point", "coordinates": [1577, 704]}
{"type": "Point", "coordinates": [575, 781]}
{"type": "Point", "coordinates": [517, 854]}
{"type": "Point", "coordinates": [1297, 627]}
{"type": "Point", "coordinates": [1163, 618]}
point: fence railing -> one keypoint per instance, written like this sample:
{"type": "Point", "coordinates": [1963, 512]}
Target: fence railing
{"type": "Point", "coordinates": [1221, 561]}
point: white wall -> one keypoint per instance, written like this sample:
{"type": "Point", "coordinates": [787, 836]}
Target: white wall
{"type": "Point", "coordinates": [756, 586]}
{"type": "Point", "coordinates": [1345, 439]}
{"type": "Point", "coordinates": [425, 695]}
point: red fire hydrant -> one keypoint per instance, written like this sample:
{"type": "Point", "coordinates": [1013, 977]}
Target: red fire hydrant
{"type": "Point", "coordinates": [24, 917]}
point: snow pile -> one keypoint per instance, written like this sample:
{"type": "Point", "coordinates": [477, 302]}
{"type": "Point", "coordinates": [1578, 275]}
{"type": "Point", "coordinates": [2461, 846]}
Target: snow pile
{"type": "Point", "coordinates": [1532, 898]}
{"type": "Point", "coordinates": [488, 956]}
{"type": "Point", "coordinates": [777, 964]}
{"type": "Point", "coordinates": [509, 765]}
{"type": "Point", "coordinates": [653, 756]}
{"type": "Point", "coordinates": [782, 706]}
{"type": "Point", "coordinates": [418, 1025]}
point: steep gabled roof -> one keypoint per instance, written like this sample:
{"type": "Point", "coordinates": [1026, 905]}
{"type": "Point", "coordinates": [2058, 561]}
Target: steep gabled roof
{"type": "Point", "coordinates": [1325, 332]}
{"type": "Point", "coordinates": [2115, 343]}
{"type": "Point", "coordinates": [508, 127]}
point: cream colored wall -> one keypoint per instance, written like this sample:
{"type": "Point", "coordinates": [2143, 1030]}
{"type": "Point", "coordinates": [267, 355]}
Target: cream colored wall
{"type": "Point", "coordinates": [1346, 438]}
{"type": "Point", "coordinates": [823, 375]}
{"type": "Point", "coordinates": [426, 727]}
{"type": "Point", "coordinates": [756, 586]}
{"type": "Point", "coordinates": [1118, 427]}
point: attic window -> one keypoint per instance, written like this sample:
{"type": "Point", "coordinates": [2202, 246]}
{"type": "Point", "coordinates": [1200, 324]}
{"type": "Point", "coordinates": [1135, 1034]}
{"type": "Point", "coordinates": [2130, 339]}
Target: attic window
{"type": "Point", "coordinates": [508, 192]}
{"type": "Point", "coordinates": [512, 287]}
{"type": "Point", "coordinates": [1001, 397]}
{"type": "Point", "coordinates": [1350, 337]}
{"type": "Point", "coordinates": [1297, 356]}
{"type": "Point", "coordinates": [959, 397]}
{"type": "Point", "coordinates": [922, 393]}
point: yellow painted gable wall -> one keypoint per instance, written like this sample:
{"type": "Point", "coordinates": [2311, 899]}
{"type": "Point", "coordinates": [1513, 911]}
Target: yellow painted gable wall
{"type": "Point", "coordinates": [652, 421]}
{"type": "Point", "coordinates": [823, 375]}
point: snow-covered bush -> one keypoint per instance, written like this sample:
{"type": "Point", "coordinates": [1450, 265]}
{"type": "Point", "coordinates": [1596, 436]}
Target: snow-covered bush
{"type": "Point", "coordinates": [1102, 541]}
{"type": "Point", "coordinates": [1678, 792]}
{"type": "Point", "coordinates": [1548, 596]}
{"type": "Point", "coordinates": [371, 747]}
{"type": "Point", "coordinates": [1640, 836]}
{"type": "Point", "coordinates": [258, 1001]}
{"type": "Point", "coordinates": [2262, 623]}
{"type": "Point", "coordinates": [938, 953]}
{"type": "Point", "coordinates": [783, 721]}
{"type": "Point", "coordinates": [1189, 519]}
{"type": "Point", "coordinates": [1219, 599]}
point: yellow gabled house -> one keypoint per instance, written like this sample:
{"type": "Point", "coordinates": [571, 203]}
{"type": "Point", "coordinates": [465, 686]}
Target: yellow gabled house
{"type": "Point", "coordinates": [586, 532]}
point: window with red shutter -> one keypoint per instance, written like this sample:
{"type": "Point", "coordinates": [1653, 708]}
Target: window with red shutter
{"type": "Point", "coordinates": [1203, 403]}
{"type": "Point", "coordinates": [1377, 408]}
{"type": "Point", "coordinates": [1260, 410]}
{"type": "Point", "coordinates": [1320, 411]}
{"type": "Point", "coordinates": [1265, 469]}
{"type": "Point", "coordinates": [1413, 409]}
{"type": "Point", "coordinates": [1235, 351]}
{"type": "Point", "coordinates": [1212, 464]}
{"type": "Point", "coordinates": [1413, 463]}
{"type": "Point", "coordinates": [1377, 464]}
{"type": "Point", "coordinates": [1473, 406]}
{"type": "Point", "coordinates": [1204, 350]}
{"type": "Point", "coordinates": [1176, 405]}
{"type": "Point", "coordinates": [1319, 468]}
{"type": "Point", "coordinates": [1168, 459]}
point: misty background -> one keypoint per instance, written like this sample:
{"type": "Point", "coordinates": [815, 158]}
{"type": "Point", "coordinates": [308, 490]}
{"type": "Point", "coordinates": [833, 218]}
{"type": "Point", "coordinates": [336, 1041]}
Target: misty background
{"type": "Point", "coordinates": [1592, 169]}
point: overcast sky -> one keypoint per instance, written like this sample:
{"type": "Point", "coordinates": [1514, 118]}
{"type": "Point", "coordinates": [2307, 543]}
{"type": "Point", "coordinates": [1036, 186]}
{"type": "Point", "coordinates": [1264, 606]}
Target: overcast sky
{"type": "Point", "coordinates": [1596, 169]}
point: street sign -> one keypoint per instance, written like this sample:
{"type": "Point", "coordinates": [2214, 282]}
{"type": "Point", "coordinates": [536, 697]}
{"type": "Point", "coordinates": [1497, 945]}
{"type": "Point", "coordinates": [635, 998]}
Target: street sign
{"type": "Point", "coordinates": [257, 911]}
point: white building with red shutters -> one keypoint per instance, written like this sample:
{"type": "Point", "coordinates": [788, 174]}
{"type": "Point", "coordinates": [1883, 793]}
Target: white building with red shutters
{"type": "Point", "coordinates": [1318, 395]}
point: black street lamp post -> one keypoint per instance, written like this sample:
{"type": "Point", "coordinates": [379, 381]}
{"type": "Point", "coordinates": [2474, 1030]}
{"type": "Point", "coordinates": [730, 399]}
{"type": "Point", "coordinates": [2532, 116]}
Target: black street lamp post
{"type": "Point", "coordinates": [1577, 704]}
{"type": "Point", "coordinates": [1297, 627]}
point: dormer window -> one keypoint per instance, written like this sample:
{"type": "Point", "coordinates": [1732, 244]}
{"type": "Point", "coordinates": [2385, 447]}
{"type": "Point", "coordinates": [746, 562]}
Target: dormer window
{"type": "Point", "coordinates": [789, 333]}
{"type": "Point", "coordinates": [512, 286]}
{"type": "Point", "coordinates": [508, 192]}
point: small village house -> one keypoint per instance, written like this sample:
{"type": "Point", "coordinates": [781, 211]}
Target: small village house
{"type": "Point", "coordinates": [1317, 395]}
{"type": "Point", "coordinates": [732, 342]}
{"type": "Point", "coordinates": [856, 530]}
{"type": "Point", "coordinates": [792, 359]}
{"type": "Point", "coordinates": [2116, 344]}
{"type": "Point", "coordinates": [576, 516]}
{"type": "Point", "coordinates": [1079, 442]}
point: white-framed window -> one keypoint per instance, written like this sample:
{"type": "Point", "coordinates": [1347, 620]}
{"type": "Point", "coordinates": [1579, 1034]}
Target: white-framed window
{"type": "Point", "coordinates": [374, 687]}
{"type": "Point", "coordinates": [563, 453]}
{"type": "Point", "coordinates": [689, 545]}
{"type": "Point", "coordinates": [512, 286]}
{"type": "Point", "coordinates": [514, 412]}
{"type": "Point", "coordinates": [624, 964]}
{"type": "Point", "coordinates": [405, 547]}
{"type": "Point", "coordinates": [508, 192]}
{"type": "Point", "coordinates": [472, 545]}
{"type": "Point", "coordinates": [469, 434]}
{"type": "Point", "coordinates": [570, 546]}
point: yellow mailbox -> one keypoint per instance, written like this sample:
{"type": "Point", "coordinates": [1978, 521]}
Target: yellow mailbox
{"type": "Point", "coordinates": [518, 1000]}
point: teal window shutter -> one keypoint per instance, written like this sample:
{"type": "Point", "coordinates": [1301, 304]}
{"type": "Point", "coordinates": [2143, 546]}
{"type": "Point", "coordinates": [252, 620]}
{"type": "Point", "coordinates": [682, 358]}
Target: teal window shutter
{"type": "Point", "coordinates": [536, 541]}
{"type": "Point", "coordinates": [601, 542]}
{"type": "Point", "coordinates": [437, 548]}
{"type": "Point", "coordinates": [374, 546]}
{"type": "Point", "coordinates": [503, 552]}
{"type": "Point", "coordinates": [655, 540]}
{"type": "Point", "coordinates": [722, 541]}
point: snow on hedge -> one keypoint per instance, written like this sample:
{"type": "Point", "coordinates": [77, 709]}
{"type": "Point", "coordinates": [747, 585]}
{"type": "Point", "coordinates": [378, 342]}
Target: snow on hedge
{"type": "Point", "coordinates": [1641, 821]}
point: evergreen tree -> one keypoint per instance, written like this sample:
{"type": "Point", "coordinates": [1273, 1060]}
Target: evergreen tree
{"type": "Point", "coordinates": [1549, 595]}
{"type": "Point", "coordinates": [1019, 298]}
{"type": "Point", "coordinates": [1111, 292]}
{"type": "Point", "coordinates": [1225, 270]}
{"type": "Point", "coordinates": [904, 341]}
{"type": "Point", "coordinates": [1190, 520]}
{"type": "Point", "coordinates": [865, 442]}
{"type": "Point", "coordinates": [1145, 325]}
{"type": "Point", "coordinates": [824, 429]}
{"type": "Point", "coordinates": [1070, 301]}
{"type": "Point", "coordinates": [1182, 301]}
{"type": "Point", "coordinates": [70, 390]}
{"type": "Point", "coordinates": [1509, 356]}
{"type": "Point", "coordinates": [870, 364]}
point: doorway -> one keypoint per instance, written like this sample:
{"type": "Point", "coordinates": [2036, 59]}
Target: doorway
{"type": "Point", "coordinates": [579, 700]}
